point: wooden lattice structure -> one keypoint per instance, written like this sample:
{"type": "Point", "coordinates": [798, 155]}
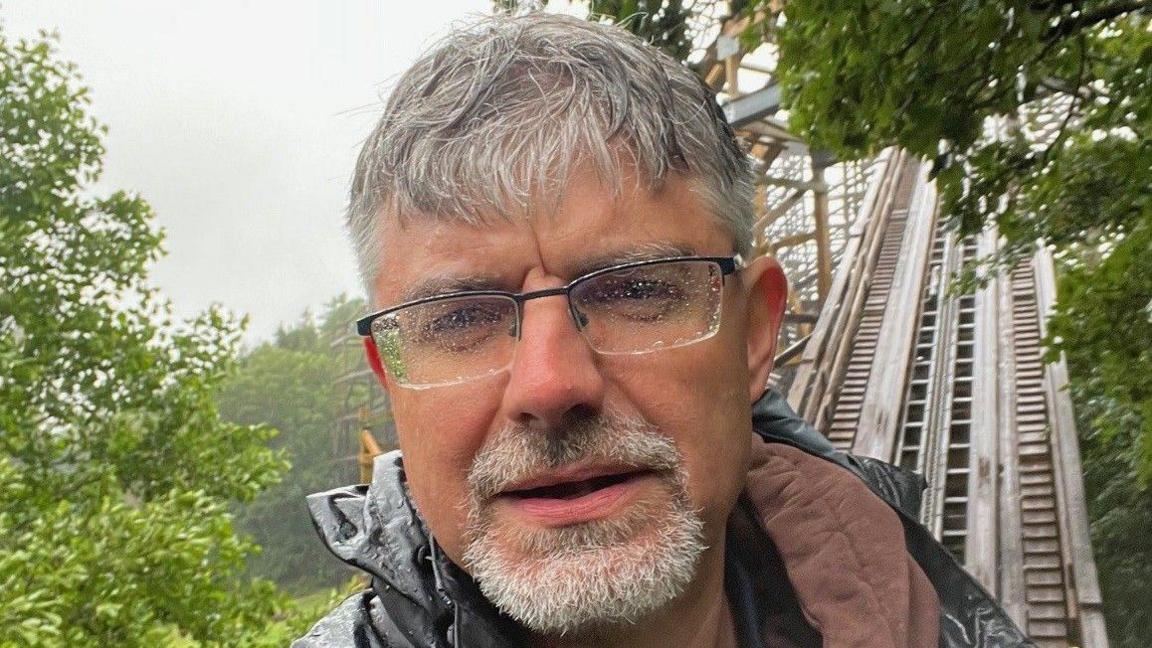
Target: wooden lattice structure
{"type": "Point", "coordinates": [806, 201]}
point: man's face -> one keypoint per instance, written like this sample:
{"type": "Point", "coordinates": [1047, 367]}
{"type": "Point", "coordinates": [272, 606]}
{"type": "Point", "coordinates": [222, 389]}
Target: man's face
{"type": "Point", "coordinates": [622, 455]}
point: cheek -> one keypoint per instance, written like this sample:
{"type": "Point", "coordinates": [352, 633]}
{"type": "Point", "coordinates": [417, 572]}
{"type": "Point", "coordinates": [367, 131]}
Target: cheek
{"type": "Point", "coordinates": [699, 396]}
{"type": "Point", "coordinates": [439, 435]}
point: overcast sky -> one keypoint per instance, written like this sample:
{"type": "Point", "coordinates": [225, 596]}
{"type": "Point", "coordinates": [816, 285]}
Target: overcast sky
{"type": "Point", "coordinates": [239, 121]}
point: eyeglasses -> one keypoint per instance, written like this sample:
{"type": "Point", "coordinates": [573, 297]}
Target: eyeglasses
{"type": "Point", "coordinates": [626, 309]}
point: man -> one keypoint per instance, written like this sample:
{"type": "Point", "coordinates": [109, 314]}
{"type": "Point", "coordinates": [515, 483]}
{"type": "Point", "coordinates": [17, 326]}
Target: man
{"type": "Point", "coordinates": [553, 222]}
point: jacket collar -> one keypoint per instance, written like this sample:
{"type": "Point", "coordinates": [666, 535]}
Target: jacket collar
{"type": "Point", "coordinates": [376, 528]}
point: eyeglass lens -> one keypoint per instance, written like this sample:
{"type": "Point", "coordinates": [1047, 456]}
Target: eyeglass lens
{"type": "Point", "coordinates": [634, 310]}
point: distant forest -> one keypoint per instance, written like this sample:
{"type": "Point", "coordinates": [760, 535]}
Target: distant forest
{"type": "Point", "coordinates": [290, 384]}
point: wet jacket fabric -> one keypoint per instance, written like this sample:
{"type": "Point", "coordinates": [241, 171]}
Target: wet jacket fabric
{"type": "Point", "coordinates": [823, 550]}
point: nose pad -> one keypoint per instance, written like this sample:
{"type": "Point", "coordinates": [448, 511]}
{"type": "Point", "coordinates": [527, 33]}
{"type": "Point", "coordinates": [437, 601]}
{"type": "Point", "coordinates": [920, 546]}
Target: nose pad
{"type": "Point", "coordinates": [580, 318]}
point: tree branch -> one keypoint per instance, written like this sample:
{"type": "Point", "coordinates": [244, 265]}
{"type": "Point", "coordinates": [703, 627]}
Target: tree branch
{"type": "Point", "coordinates": [1073, 107]}
{"type": "Point", "coordinates": [1072, 25]}
{"type": "Point", "coordinates": [1052, 4]}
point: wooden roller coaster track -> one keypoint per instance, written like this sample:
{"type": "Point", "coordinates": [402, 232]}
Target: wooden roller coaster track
{"type": "Point", "coordinates": [953, 386]}
{"type": "Point", "coordinates": [887, 362]}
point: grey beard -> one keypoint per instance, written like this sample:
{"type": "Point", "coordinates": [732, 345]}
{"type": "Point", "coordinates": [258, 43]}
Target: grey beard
{"type": "Point", "coordinates": [590, 575]}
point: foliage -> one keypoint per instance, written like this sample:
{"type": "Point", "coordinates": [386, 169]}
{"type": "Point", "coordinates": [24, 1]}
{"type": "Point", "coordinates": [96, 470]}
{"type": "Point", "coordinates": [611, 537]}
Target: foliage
{"type": "Point", "coordinates": [116, 471]}
{"type": "Point", "coordinates": [662, 23]}
{"type": "Point", "coordinates": [1120, 507]}
{"type": "Point", "coordinates": [674, 26]}
{"type": "Point", "coordinates": [1108, 304]}
{"type": "Point", "coordinates": [1037, 113]}
{"type": "Point", "coordinates": [290, 384]}
{"type": "Point", "coordinates": [1112, 389]}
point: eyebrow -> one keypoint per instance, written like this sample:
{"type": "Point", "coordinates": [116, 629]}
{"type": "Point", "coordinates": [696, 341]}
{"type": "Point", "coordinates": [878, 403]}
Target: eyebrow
{"type": "Point", "coordinates": [445, 285]}
{"type": "Point", "coordinates": [641, 252]}
{"type": "Point", "coordinates": [435, 286]}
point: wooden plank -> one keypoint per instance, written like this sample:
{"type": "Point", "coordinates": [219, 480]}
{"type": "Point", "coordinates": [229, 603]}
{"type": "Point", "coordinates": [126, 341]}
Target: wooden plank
{"type": "Point", "coordinates": [1011, 591]}
{"type": "Point", "coordinates": [1068, 470]}
{"type": "Point", "coordinates": [823, 243]}
{"type": "Point", "coordinates": [778, 210]}
{"type": "Point", "coordinates": [808, 383]}
{"type": "Point", "coordinates": [981, 554]}
{"type": "Point", "coordinates": [790, 241]}
{"type": "Point", "coordinates": [753, 106]}
{"type": "Point", "coordinates": [861, 322]}
{"type": "Point", "coordinates": [936, 369]}
{"type": "Point", "coordinates": [880, 414]}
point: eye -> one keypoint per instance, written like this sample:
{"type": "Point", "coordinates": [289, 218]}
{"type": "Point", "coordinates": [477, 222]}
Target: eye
{"type": "Point", "coordinates": [646, 289]}
{"type": "Point", "coordinates": [462, 319]}
{"type": "Point", "coordinates": [642, 298]}
{"type": "Point", "coordinates": [456, 327]}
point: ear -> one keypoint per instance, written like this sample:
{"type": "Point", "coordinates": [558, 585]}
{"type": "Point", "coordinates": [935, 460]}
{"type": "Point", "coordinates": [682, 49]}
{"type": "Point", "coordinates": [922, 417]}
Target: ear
{"type": "Point", "coordinates": [767, 294]}
{"type": "Point", "coordinates": [373, 356]}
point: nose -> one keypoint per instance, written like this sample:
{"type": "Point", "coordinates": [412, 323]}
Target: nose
{"type": "Point", "coordinates": [554, 371]}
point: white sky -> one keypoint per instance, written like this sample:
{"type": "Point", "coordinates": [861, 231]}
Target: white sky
{"type": "Point", "coordinates": [239, 121]}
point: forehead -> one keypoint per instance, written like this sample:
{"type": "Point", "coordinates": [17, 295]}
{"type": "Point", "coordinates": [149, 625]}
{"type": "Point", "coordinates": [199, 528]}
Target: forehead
{"type": "Point", "coordinates": [588, 226]}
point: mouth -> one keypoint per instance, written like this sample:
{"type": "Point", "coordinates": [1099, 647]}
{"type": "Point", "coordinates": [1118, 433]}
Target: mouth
{"type": "Point", "coordinates": [572, 497]}
{"type": "Point", "coordinates": [568, 490]}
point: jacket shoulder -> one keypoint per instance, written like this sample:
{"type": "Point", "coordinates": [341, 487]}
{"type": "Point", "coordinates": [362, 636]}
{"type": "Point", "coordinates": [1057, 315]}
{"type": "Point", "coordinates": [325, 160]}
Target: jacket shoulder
{"type": "Point", "coordinates": [346, 626]}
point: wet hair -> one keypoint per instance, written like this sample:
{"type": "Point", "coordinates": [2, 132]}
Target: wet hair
{"type": "Point", "coordinates": [492, 122]}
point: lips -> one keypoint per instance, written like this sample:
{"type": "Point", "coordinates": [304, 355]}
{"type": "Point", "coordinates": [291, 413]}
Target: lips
{"type": "Point", "coordinates": [572, 489]}
{"type": "Point", "coordinates": [572, 483]}
{"type": "Point", "coordinates": [574, 496]}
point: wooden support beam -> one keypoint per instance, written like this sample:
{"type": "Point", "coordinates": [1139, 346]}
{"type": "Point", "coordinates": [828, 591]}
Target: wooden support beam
{"type": "Point", "coordinates": [779, 210]}
{"type": "Point", "coordinates": [732, 74]}
{"type": "Point", "coordinates": [1012, 590]}
{"type": "Point", "coordinates": [773, 130]}
{"type": "Point", "coordinates": [983, 544]}
{"type": "Point", "coordinates": [369, 450]}
{"type": "Point", "coordinates": [758, 243]}
{"type": "Point", "coordinates": [880, 413]}
{"type": "Point", "coordinates": [790, 241]}
{"type": "Point", "coordinates": [752, 106]}
{"type": "Point", "coordinates": [1080, 564]}
{"type": "Point", "coordinates": [825, 355]}
{"type": "Point", "coordinates": [788, 183]}
{"type": "Point", "coordinates": [823, 241]}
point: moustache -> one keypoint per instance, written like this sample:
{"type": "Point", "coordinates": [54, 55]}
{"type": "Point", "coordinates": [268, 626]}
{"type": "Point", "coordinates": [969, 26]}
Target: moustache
{"type": "Point", "coordinates": [518, 451]}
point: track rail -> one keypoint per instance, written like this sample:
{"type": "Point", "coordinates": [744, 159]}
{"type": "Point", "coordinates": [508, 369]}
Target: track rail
{"type": "Point", "coordinates": [954, 387]}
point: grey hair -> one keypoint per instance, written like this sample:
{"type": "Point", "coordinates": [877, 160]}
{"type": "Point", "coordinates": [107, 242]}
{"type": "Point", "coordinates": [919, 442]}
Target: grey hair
{"type": "Point", "coordinates": [495, 118]}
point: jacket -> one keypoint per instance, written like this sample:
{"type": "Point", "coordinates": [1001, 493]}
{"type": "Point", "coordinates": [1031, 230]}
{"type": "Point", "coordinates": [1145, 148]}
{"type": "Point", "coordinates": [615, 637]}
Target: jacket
{"type": "Point", "coordinates": [851, 587]}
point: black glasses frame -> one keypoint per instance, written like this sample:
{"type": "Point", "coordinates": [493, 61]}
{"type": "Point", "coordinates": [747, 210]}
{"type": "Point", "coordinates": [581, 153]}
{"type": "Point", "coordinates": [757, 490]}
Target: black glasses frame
{"type": "Point", "coordinates": [728, 265]}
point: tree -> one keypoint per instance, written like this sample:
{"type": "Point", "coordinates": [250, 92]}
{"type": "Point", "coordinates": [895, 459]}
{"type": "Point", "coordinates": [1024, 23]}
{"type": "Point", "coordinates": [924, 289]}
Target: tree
{"type": "Point", "coordinates": [289, 384]}
{"type": "Point", "coordinates": [674, 26]}
{"type": "Point", "coordinates": [1037, 115]}
{"type": "Point", "coordinates": [116, 471]}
